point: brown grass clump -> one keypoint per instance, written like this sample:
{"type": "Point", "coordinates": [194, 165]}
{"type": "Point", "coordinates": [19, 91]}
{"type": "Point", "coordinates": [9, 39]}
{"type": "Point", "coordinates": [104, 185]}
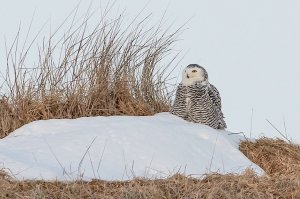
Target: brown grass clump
{"type": "Point", "coordinates": [275, 156]}
{"type": "Point", "coordinates": [110, 69]}
{"type": "Point", "coordinates": [285, 184]}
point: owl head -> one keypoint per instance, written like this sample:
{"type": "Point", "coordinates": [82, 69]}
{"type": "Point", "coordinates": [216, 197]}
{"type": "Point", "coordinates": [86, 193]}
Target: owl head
{"type": "Point", "coordinates": [194, 73]}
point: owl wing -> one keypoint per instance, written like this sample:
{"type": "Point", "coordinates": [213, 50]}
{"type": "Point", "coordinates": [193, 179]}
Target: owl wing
{"type": "Point", "coordinates": [179, 106]}
{"type": "Point", "coordinates": [206, 107]}
{"type": "Point", "coordinates": [215, 96]}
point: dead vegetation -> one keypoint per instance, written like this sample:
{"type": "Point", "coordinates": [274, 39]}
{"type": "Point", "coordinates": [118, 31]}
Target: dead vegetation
{"type": "Point", "coordinates": [278, 158]}
{"type": "Point", "coordinates": [107, 69]}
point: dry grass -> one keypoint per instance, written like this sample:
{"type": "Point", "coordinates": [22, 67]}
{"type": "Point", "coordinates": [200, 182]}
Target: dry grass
{"type": "Point", "coordinates": [276, 156]}
{"type": "Point", "coordinates": [105, 70]}
{"type": "Point", "coordinates": [269, 154]}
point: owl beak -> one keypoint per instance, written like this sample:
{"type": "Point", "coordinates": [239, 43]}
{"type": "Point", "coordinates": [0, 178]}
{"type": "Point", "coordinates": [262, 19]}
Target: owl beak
{"type": "Point", "coordinates": [187, 76]}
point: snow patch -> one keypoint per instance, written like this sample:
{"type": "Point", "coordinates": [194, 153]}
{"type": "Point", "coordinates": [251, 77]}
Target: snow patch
{"type": "Point", "coordinates": [120, 148]}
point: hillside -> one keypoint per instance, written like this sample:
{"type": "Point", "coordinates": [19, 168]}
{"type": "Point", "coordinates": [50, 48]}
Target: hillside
{"type": "Point", "coordinates": [85, 121]}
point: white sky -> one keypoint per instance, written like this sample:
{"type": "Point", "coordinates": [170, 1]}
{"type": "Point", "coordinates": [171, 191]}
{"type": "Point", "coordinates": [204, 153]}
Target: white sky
{"type": "Point", "coordinates": [249, 48]}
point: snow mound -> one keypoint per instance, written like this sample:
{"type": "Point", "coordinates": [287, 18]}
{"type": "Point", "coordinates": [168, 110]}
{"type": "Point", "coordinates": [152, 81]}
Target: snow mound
{"type": "Point", "coordinates": [120, 148]}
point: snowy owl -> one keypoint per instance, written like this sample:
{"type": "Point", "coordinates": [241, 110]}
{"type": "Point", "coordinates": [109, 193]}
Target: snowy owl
{"type": "Point", "coordinates": [197, 100]}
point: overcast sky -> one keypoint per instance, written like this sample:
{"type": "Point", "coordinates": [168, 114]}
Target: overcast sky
{"type": "Point", "coordinates": [249, 48]}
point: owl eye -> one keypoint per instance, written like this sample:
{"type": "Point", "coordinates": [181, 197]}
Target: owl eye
{"type": "Point", "coordinates": [194, 71]}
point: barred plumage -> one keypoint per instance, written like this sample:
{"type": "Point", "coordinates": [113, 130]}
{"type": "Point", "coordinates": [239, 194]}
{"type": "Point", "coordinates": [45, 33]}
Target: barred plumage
{"type": "Point", "coordinates": [197, 100]}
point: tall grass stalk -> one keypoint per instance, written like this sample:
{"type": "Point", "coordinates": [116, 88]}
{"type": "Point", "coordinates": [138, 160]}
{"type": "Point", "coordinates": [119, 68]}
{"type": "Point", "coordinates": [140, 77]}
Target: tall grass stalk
{"type": "Point", "coordinates": [110, 69]}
